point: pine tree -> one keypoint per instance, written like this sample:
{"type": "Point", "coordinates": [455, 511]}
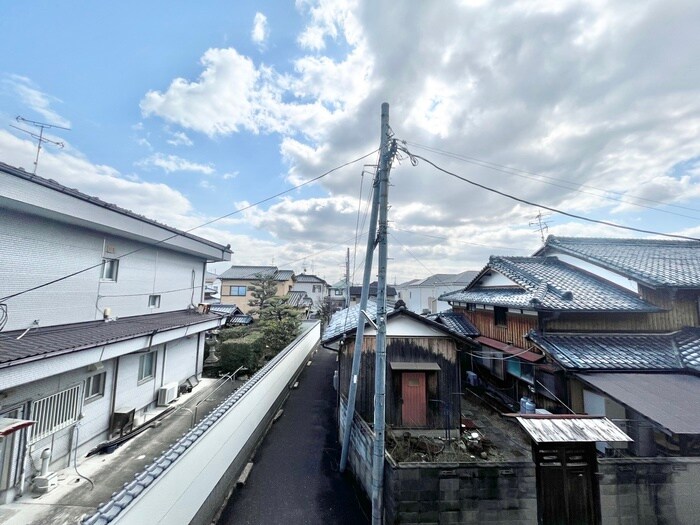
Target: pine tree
{"type": "Point", "coordinates": [263, 292]}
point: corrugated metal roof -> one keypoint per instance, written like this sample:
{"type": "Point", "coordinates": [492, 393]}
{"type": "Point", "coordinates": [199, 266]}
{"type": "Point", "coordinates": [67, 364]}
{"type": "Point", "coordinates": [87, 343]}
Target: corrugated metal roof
{"type": "Point", "coordinates": [395, 365]}
{"type": "Point", "coordinates": [546, 283]}
{"type": "Point", "coordinates": [671, 400]}
{"type": "Point", "coordinates": [570, 429]}
{"type": "Point", "coordinates": [513, 350]}
{"type": "Point", "coordinates": [656, 262]}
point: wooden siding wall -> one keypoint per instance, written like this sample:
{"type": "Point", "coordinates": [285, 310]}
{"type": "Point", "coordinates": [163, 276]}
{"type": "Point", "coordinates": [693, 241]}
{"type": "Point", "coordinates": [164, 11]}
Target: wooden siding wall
{"type": "Point", "coordinates": [682, 311]}
{"type": "Point", "coordinates": [442, 351]}
{"type": "Point", "coordinates": [516, 327]}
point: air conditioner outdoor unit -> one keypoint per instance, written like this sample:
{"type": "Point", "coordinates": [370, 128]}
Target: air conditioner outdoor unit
{"type": "Point", "coordinates": [166, 394]}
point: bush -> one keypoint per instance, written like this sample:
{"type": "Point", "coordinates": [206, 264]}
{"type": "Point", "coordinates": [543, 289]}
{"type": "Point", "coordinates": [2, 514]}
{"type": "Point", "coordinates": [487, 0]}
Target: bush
{"type": "Point", "coordinates": [245, 351]}
{"type": "Point", "coordinates": [233, 333]}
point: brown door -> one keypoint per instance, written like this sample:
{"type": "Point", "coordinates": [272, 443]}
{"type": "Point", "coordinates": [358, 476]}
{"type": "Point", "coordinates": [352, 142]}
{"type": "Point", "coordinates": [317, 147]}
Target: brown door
{"type": "Point", "coordinates": [413, 409]}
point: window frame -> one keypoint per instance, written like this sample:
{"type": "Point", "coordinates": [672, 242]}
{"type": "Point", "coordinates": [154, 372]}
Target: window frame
{"type": "Point", "coordinates": [238, 291]}
{"type": "Point", "coordinates": [111, 264]}
{"type": "Point", "coordinates": [316, 288]}
{"type": "Point", "coordinates": [154, 301]}
{"type": "Point", "coordinates": [500, 316]}
{"type": "Point", "coordinates": [142, 377]}
{"type": "Point", "coordinates": [88, 394]}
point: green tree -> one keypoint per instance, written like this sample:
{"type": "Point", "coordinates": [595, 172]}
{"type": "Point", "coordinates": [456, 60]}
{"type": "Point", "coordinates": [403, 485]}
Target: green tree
{"type": "Point", "coordinates": [263, 292]}
{"type": "Point", "coordinates": [279, 325]}
{"type": "Point", "coordinates": [325, 311]}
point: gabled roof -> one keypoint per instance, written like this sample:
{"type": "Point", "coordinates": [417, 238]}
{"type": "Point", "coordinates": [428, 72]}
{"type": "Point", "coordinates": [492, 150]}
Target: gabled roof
{"type": "Point", "coordinates": [546, 283]}
{"type": "Point", "coordinates": [306, 278]}
{"type": "Point", "coordinates": [455, 322]}
{"type": "Point", "coordinates": [654, 262]}
{"type": "Point", "coordinates": [253, 272]}
{"type": "Point", "coordinates": [298, 299]}
{"type": "Point", "coordinates": [357, 290]}
{"type": "Point", "coordinates": [677, 351]}
{"type": "Point", "coordinates": [225, 309]}
{"type": "Point", "coordinates": [444, 279]}
{"type": "Point", "coordinates": [345, 321]}
{"type": "Point", "coordinates": [60, 339]}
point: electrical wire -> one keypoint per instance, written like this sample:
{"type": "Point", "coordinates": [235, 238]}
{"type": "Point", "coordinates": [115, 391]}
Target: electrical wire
{"type": "Point", "coordinates": [440, 238]}
{"type": "Point", "coordinates": [178, 234]}
{"type": "Point", "coordinates": [415, 158]}
{"type": "Point", "coordinates": [569, 186]}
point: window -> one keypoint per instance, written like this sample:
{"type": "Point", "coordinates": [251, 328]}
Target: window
{"type": "Point", "coordinates": [109, 269]}
{"type": "Point", "coordinates": [339, 292]}
{"type": "Point", "coordinates": [500, 316]}
{"type": "Point", "coordinates": [55, 412]}
{"type": "Point", "coordinates": [492, 360]}
{"type": "Point", "coordinates": [238, 291]}
{"type": "Point", "coordinates": [95, 386]}
{"type": "Point", "coordinates": [147, 364]}
{"type": "Point", "coordinates": [154, 301]}
{"type": "Point", "coordinates": [316, 288]}
{"type": "Point", "coordinates": [524, 371]}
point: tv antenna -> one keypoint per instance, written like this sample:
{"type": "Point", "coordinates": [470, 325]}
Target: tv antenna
{"type": "Point", "coordinates": [540, 224]}
{"type": "Point", "coordinates": [40, 137]}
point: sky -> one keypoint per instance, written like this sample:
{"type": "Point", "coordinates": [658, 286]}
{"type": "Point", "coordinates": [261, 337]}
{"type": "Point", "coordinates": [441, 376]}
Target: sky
{"type": "Point", "coordinates": [189, 111]}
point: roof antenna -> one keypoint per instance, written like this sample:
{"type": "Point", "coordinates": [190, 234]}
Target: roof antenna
{"type": "Point", "coordinates": [40, 137]}
{"type": "Point", "coordinates": [540, 224]}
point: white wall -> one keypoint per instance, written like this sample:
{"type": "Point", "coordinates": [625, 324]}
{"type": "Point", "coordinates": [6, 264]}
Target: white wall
{"type": "Point", "coordinates": [317, 297]}
{"type": "Point", "coordinates": [35, 251]}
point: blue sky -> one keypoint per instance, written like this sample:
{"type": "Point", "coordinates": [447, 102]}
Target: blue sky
{"type": "Point", "coordinates": [186, 111]}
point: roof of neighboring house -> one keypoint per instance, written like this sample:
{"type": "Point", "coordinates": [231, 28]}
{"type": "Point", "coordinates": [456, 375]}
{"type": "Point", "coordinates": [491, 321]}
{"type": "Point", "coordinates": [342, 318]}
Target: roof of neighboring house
{"type": "Point", "coordinates": [546, 283]}
{"type": "Point", "coordinates": [61, 339]}
{"type": "Point", "coordinates": [357, 290]}
{"type": "Point", "coordinates": [675, 351]}
{"type": "Point", "coordinates": [210, 277]}
{"type": "Point", "coordinates": [298, 299]}
{"type": "Point", "coordinates": [443, 279]}
{"type": "Point", "coordinates": [655, 262]}
{"type": "Point", "coordinates": [253, 273]}
{"type": "Point", "coordinates": [242, 319]}
{"type": "Point", "coordinates": [670, 400]}
{"type": "Point", "coordinates": [345, 321]}
{"type": "Point", "coordinates": [52, 184]}
{"type": "Point", "coordinates": [457, 323]}
{"type": "Point", "coordinates": [225, 309]}
{"type": "Point", "coordinates": [307, 278]}
{"type": "Point", "coordinates": [568, 428]}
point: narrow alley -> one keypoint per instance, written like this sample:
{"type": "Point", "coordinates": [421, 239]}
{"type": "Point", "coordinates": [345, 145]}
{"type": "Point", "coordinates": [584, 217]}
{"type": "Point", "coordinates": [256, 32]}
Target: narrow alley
{"type": "Point", "coordinates": [295, 478]}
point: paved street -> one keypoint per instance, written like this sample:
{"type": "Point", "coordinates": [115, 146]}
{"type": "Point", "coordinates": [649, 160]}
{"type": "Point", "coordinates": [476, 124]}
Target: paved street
{"type": "Point", "coordinates": [295, 479]}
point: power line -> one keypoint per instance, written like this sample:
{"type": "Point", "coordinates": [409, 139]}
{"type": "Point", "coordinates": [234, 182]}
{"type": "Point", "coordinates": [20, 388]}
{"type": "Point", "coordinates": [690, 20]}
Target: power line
{"type": "Point", "coordinates": [178, 234]}
{"type": "Point", "coordinates": [441, 238]}
{"type": "Point", "coordinates": [414, 159]}
{"type": "Point", "coordinates": [561, 184]}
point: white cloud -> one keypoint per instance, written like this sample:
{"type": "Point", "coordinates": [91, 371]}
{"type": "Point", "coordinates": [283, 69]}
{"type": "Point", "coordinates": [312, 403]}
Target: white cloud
{"type": "Point", "coordinates": [171, 163]}
{"type": "Point", "coordinates": [260, 31]}
{"type": "Point", "coordinates": [36, 100]}
{"type": "Point", "coordinates": [178, 138]}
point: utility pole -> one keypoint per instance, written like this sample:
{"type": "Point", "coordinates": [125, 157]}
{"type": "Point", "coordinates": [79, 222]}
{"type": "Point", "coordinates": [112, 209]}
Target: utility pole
{"type": "Point", "coordinates": [40, 137]}
{"type": "Point", "coordinates": [387, 152]}
{"type": "Point", "coordinates": [347, 279]}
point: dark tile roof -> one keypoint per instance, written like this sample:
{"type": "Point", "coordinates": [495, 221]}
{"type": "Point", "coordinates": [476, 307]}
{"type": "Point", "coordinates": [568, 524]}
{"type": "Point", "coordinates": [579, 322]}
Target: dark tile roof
{"type": "Point", "coordinates": [52, 184]}
{"type": "Point", "coordinates": [242, 319]}
{"type": "Point", "coordinates": [357, 290]}
{"type": "Point", "coordinates": [55, 340]}
{"type": "Point", "coordinates": [253, 272]}
{"type": "Point", "coordinates": [654, 262]}
{"type": "Point", "coordinates": [675, 351]}
{"type": "Point", "coordinates": [455, 322]}
{"type": "Point", "coordinates": [298, 299]}
{"type": "Point", "coordinates": [546, 283]}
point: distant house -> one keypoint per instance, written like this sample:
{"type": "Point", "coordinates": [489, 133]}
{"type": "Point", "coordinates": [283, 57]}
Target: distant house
{"type": "Point", "coordinates": [423, 376]}
{"type": "Point", "coordinates": [233, 315]}
{"type": "Point", "coordinates": [314, 287]}
{"type": "Point", "coordinates": [100, 321]}
{"type": "Point", "coordinates": [212, 288]}
{"type": "Point", "coordinates": [421, 295]}
{"type": "Point", "coordinates": [300, 301]}
{"type": "Point", "coordinates": [356, 292]}
{"type": "Point", "coordinates": [337, 294]}
{"type": "Point", "coordinates": [236, 283]}
{"type": "Point", "coordinates": [605, 327]}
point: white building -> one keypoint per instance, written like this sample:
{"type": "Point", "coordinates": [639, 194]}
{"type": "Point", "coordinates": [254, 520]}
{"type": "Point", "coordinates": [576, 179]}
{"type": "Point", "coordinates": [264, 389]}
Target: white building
{"type": "Point", "coordinates": [315, 287]}
{"type": "Point", "coordinates": [421, 295]}
{"type": "Point", "coordinates": [98, 317]}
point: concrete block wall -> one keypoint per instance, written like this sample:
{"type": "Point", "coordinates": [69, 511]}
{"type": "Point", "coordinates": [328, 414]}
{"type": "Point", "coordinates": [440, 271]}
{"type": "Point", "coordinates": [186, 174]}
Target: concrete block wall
{"type": "Point", "coordinates": [502, 493]}
{"type": "Point", "coordinates": [649, 491]}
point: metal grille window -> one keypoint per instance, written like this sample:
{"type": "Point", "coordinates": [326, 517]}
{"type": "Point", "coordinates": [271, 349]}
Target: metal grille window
{"type": "Point", "coordinates": [55, 412]}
